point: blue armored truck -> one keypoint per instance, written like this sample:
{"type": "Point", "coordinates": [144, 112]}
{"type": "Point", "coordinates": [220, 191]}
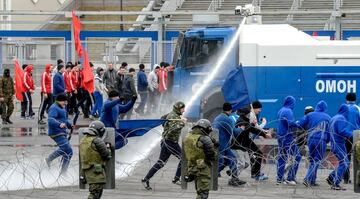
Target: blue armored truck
{"type": "Point", "coordinates": [274, 60]}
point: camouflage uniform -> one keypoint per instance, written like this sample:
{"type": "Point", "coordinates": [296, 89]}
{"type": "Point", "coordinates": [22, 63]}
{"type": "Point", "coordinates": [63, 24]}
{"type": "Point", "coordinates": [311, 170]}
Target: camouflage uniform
{"type": "Point", "coordinates": [93, 156]}
{"type": "Point", "coordinates": [169, 144]}
{"type": "Point", "coordinates": [199, 151]}
{"type": "Point", "coordinates": [7, 92]}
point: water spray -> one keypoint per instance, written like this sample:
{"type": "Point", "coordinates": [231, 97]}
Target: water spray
{"type": "Point", "coordinates": [222, 58]}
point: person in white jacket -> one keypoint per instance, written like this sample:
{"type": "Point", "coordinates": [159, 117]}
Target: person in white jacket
{"type": "Point", "coordinates": [153, 89]}
{"type": "Point", "coordinates": [100, 90]}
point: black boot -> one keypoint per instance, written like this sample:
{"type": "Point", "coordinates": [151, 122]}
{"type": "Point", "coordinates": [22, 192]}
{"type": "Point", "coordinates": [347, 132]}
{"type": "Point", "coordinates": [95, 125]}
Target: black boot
{"type": "Point", "coordinates": [4, 121]}
{"type": "Point", "coordinates": [236, 182]}
{"type": "Point", "coordinates": [146, 184]}
{"type": "Point", "coordinates": [8, 120]}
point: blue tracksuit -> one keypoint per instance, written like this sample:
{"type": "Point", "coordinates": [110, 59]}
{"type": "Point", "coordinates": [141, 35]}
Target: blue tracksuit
{"type": "Point", "coordinates": [338, 135]}
{"type": "Point", "coordinates": [56, 116]}
{"type": "Point", "coordinates": [354, 116]}
{"type": "Point", "coordinates": [110, 113]}
{"type": "Point", "coordinates": [286, 142]}
{"type": "Point", "coordinates": [234, 117]}
{"type": "Point", "coordinates": [58, 84]}
{"type": "Point", "coordinates": [317, 125]}
{"type": "Point", "coordinates": [227, 132]}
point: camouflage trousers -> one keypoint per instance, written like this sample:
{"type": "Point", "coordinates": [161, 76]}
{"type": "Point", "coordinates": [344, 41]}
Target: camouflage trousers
{"type": "Point", "coordinates": [202, 182]}
{"type": "Point", "coordinates": [7, 107]}
{"type": "Point", "coordinates": [95, 190]}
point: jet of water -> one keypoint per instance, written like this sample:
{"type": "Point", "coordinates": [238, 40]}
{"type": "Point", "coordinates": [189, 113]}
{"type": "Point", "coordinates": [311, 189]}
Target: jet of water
{"type": "Point", "coordinates": [218, 65]}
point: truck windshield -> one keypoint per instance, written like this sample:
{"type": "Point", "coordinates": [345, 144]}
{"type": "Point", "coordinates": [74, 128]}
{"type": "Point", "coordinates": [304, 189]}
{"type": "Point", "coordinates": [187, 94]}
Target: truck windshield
{"type": "Point", "coordinates": [200, 51]}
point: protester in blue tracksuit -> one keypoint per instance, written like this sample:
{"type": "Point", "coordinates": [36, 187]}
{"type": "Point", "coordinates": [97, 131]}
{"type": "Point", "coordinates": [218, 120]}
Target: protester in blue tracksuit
{"type": "Point", "coordinates": [338, 135]}
{"type": "Point", "coordinates": [58, 81]}
{"type": "Point", "coordinates": [317, 125]}
{"type": "Point", "coordinates": [110, 113]}
{"type": "Point", "coordinates": [57, 126]}
{"type": "Point", "coordinates": [227, 132]}
{"type": "Point", "coordinates": [354, 124]}
{"type": "Point", "coordinates": [286, 142]}
{"type": "Point", "coordinates": [142, 87]}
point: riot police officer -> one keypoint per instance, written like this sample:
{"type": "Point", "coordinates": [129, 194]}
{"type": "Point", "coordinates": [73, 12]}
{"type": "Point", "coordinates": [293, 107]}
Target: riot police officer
{"type": "Point", "coordinates": [93, 156]}
{"type": "Point", "coordinates": [200, 152]}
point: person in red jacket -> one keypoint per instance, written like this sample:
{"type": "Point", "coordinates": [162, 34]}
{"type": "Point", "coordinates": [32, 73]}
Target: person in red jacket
{"type": "Point", "coordinates": [46, 93]}
{"type": "Point", "coordinates": [29, 87]}
{"type": "Point", "coordinates": [74, 81]}
{"type": "Point", "coordinates": [163, 83]}
{"type": "Point", "coordinates": [68, 87]}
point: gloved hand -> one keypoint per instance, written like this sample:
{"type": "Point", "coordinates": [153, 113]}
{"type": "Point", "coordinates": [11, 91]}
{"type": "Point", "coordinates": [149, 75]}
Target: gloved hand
{"type": "Point", "coordinates": [83, 179]}
{"type": "Point", "coordinates": [189, 178]}
{"type": "Point", "coordinates": [134, 97]}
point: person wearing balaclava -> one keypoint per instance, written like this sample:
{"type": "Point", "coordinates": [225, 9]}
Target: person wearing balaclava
{"type": "Point", "coordinates": [7, 96]}
{"type": "Point", "coordinates": [338, 136]}
{"type": "Point", "coordinates": [285, 140]}
{"type": "Point", "coordinates": [317, 125]}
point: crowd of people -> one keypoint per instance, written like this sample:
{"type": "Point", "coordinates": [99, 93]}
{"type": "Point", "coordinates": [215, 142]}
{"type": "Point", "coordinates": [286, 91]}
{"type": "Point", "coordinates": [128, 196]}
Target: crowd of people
{"type": "Point", "coordinates": [69, 79]}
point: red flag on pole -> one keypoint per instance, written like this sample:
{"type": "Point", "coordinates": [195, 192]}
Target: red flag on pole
{"type": "Point", "coordinates": [88, 74]}
{"type": "Point", "coordinates": [19, 76]}
{"type": "Point", "coordinates": [77, 28]}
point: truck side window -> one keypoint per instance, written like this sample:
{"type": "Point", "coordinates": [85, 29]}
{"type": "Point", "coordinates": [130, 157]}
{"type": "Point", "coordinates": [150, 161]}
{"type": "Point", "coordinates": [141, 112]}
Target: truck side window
{"type": "Point", "coordinates": [200, 51]}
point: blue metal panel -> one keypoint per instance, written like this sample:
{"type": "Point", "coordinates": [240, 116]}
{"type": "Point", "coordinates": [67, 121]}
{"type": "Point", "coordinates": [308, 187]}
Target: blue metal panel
{"type": "Point", "coordinates": [36, 33]}
{"type": "Point", "coordinates": [330, 33]}
{"type": "Point", "coordinates": [169, 35]}
{"type": "Point", "coordinates": [130, 34]}
{"type": "Point", "coordinates": [350, 33]}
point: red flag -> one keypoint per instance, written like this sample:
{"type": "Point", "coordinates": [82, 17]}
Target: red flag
{"type": "Point", "coordinates": [19, 76]}
{"type": "Point", "coordinates": [88, 74]}
{"type": "Point", "coordinates": [77, 28]}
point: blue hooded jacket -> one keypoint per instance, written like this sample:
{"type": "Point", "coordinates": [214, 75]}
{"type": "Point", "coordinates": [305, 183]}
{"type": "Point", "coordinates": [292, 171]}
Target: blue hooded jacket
{"type": "Point", "coordinates": [58, 84]}
{"type": "Point", "coordinates": [142, 82]}
{"type": "Point", "coordinates": [286, 120]}
{"type": "Point", "coordinates": [56, 116]}
{"type": "Point", "coordinates": [234, 117]}
{"type": "Point", "coordinates": [354, 117]}
{"type": "Point", "coordinates": [111, 110]}
{"type": "Point", "coordinates": [227, 130]}
{"type": "Point", "coordinates": [338, 126]}
{"type": "Point", "coordinates": [317, 122]}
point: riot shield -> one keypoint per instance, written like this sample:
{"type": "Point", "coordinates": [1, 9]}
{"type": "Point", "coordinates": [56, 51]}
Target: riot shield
{"type": "Point", "coordinates": [109, 137]}
{"type": "Point", "coordinates": [215, 164]}
{"type": "Point", "coordinates": [356, 163]}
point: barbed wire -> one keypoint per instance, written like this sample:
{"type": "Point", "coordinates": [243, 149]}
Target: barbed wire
{"type": "Point", "coordinates": [23, 172]}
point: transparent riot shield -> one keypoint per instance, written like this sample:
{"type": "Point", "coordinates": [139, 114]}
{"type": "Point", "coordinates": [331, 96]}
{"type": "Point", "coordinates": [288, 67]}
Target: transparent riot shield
{"type": "Point", "coordinates": [109, 137]}
{"type": "Point", "coordinates": [215, 164]}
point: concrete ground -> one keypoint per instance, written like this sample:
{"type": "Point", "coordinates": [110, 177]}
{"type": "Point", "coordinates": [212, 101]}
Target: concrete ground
{"type": "Point", "coordinates": [23, 174]}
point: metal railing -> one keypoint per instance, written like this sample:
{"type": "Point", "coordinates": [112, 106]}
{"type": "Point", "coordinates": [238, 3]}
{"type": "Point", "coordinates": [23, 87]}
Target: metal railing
{"type": "Point", "coordinates": [256, 2]}
{"type": "Point", "coordinates": [215, 5]}
{"type": "Point", "coordinates": [295, 6]}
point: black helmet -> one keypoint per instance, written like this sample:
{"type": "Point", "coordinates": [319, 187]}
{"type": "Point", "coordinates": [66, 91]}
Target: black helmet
{"type": "Point", "coordinates": [98, 127]}
{"type": "Point", "coordinates": [204, 124]}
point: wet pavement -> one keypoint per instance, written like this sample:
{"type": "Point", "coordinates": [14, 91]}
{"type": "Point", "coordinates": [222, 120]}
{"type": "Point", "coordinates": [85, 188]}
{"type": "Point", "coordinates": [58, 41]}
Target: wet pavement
{"type": "Point", "coordinates": [23, 173]}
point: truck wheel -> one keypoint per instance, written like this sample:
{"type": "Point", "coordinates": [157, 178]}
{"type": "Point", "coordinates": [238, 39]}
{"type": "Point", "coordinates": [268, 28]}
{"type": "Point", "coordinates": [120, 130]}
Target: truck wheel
{"type": "Point", "coordinates": [211, 114]}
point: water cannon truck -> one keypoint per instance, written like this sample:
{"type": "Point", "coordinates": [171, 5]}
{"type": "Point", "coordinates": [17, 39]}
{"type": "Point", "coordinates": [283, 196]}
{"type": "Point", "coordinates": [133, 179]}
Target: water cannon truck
{"type": "Point", "coordinates": [276, 61]}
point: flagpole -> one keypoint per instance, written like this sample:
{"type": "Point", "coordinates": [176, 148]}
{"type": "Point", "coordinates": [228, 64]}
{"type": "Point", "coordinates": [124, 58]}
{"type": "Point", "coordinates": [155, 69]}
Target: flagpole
{"type": "Point", "coordinates": [72, 43]}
